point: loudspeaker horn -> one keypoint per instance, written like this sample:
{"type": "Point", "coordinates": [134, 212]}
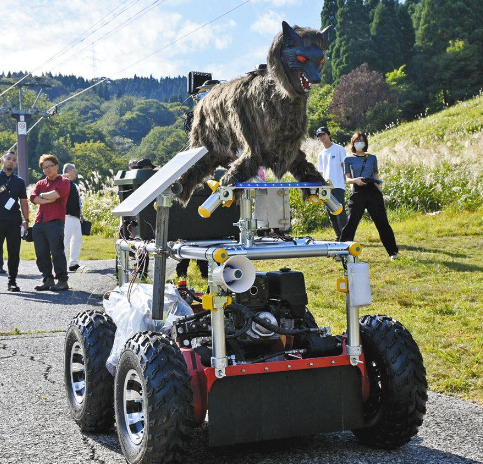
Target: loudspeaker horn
{"type": "Point", "coordinates": [236, 274]}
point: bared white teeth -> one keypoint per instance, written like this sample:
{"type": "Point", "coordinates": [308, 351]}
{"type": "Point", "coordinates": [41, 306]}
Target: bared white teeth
{"type": "Point", "coordinates": [304, 83]}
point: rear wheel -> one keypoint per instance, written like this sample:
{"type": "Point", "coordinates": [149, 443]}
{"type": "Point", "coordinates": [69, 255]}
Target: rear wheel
{"type": "Point", "coordinates": [153, 400]}
{"type": "Point", "coordinates": [397, 399]}
{"type": "Point", "coordinates": [88, 383]}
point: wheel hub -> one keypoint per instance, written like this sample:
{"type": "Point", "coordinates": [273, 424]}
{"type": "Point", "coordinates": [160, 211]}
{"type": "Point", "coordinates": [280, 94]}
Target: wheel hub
{"type": "Point", "coordinates": [134, 413]}
{"type": "Point", "coordinates": [77, 373]}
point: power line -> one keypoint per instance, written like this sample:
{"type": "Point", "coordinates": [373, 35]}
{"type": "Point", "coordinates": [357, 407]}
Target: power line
{"type": "Point", "coordinates": [113, 31]}
{"type": "Point", "coordinates": [77, 40]}
{"type": "Point", "coordinates": [54, 107]}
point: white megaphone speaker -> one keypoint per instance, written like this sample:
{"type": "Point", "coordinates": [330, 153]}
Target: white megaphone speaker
{"type": "Point", "coordinates": [236, 274]}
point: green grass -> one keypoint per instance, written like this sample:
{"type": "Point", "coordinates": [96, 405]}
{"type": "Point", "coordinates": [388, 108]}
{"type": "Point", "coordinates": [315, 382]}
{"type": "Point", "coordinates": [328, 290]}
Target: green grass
{"type": "Point", "coordinates": [93, 247]}
{"type": "Point", "coordinates": [435, 290]}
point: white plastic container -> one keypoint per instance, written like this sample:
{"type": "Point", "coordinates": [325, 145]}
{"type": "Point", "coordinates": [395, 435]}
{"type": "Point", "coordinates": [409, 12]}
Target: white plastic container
{"type": "Point", "coordinates": [359, 284]}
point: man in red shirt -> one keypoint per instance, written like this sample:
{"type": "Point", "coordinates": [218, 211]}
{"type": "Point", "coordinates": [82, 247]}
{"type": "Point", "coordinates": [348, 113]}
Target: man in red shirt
{"type": "Point", "coordinates": [51, 194]}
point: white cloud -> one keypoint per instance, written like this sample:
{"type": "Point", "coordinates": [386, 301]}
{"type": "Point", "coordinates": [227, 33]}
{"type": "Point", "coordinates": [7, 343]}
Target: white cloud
{"type": "Point", "coordinates": [268, 24]}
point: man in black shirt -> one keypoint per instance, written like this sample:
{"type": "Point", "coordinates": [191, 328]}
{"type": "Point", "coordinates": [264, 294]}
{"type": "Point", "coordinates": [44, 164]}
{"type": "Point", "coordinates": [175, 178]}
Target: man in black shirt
{"type": "Point", "coordinates": [73, 219]}
{"type": "Point", "coordinates": [13, 198]}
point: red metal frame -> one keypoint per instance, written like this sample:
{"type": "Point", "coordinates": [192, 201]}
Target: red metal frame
{"type": "Point", "coordinates": [203, 378]}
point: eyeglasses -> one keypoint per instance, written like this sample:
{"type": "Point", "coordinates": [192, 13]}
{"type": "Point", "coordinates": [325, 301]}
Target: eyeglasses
{"type": "Point", "coordinates": [46, 168]}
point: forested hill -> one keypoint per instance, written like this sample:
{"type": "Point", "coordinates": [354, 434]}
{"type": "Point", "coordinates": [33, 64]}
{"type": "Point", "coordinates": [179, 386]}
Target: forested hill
{"type": "Point", "coordinates": [164, 89]}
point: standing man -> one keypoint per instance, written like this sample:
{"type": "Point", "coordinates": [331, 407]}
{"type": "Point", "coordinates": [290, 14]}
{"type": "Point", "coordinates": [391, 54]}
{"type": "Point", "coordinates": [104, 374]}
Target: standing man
{"type": "Point", "coordinates": [73, 219]}
{"type": "Point", "coordinates": [13, 198]}
{"type": "Point", "coordinates": [331, 164]}
{"type": "Point", "coordinates": [51, 194]}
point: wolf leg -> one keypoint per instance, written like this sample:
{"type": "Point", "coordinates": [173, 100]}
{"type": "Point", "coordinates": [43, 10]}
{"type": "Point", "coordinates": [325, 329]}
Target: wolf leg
{"type": "Point", "coordinates": [304, 171]}
{"type": "Point", "coordinates": [241, 170]}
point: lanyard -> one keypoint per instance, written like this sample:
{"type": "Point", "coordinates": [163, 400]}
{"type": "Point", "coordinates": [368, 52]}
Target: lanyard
{"type": "Point", "coordinates": [364, 164]}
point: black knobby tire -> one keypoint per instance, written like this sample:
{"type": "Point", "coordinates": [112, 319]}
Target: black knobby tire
{"type": "Point", "coordinates": [88, 383]}
{"type": "Point", "coordinates": [153, 400]}
{"type": "Point", "coordinates": [396, 404]}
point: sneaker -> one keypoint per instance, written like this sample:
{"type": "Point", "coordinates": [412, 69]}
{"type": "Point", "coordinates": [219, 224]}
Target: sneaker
{"type": "Point", "coordinates": [394, 257]}
{"type": "Point", "coordinates": [74, 267]}
{"type": "Point", "coordinates": [13, 287]}
{"type": "Point", "coordinates": [48, 282]}
{"type": "Point", "coordinates": [61, 285]}
{"type": "Point", "coordinates": [2, 270]}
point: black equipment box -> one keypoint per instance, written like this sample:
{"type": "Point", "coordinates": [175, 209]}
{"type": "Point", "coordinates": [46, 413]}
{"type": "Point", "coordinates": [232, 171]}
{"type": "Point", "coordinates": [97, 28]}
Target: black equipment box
{"type": "Point", "coordinates": [184, 223]}
{"type": "Point", "coordinates": [289, 286]}
{"type": "Point", "coordinates": [197, 79]}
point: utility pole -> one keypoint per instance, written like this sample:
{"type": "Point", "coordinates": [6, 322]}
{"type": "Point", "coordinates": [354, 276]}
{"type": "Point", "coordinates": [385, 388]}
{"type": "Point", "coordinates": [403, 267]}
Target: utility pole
{"type": "Point", "coordinates": [21, 115]}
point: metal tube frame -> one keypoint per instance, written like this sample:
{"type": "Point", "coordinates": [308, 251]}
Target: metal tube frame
{"type": "Point", "coordinates": [254, 250]}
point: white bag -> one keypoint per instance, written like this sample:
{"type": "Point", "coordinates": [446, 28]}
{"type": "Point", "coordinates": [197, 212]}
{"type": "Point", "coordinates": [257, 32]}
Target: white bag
{"type": "Point", "coordinates": [135, 315]}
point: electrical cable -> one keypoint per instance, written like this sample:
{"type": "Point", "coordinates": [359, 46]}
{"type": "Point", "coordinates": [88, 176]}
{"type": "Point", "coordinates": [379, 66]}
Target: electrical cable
{"type": "Point", "coordinates": [75, 41]}
{"type": "Point", "coordinates": [53, 107]}
{"type": "Point", "coordinates": [113, 31]}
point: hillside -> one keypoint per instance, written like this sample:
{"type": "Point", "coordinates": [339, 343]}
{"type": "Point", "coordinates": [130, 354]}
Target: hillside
{"type": "Point", "coordinates": [431, 163]}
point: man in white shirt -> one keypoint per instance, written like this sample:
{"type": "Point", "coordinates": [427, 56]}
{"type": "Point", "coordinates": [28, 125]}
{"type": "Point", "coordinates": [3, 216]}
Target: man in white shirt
{"type": "Point", "coordinates": [330, 163]}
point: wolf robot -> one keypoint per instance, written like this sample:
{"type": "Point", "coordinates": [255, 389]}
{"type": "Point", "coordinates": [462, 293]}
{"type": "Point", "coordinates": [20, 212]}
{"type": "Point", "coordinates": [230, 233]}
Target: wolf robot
{"type": "Point", "coordinates": [260, 119]}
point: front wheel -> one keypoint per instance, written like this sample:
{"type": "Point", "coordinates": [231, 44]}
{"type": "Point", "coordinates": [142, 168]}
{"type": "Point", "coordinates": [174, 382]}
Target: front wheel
{"type": "Point", "coordinates": [88, 383]}
{"type": "Point", "coordinates": [397, 399]}
{"type": "Point", "coordinates": [153, 400]}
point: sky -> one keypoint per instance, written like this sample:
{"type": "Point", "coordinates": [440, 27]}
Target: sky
{"type": "Point", "coordinates": [123, 38]}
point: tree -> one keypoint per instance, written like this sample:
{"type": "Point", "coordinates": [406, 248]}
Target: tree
{"type": "Point", "coordinates": [443, 24]}
{"type": "Point", "coordinates": [318, 107]}
{"type": "Point", "coordinates": [406, 95]}
{"type": "Point", "coordinates": [328, 17]}
{"type": "Point", "coordinates": [386, 33]}
{"type": "Point", "coordinates": [358, 92]}
{"type": "Point", "coordinates": [353, 45]}
{"type": "Point", "coordinates": [92, 157]}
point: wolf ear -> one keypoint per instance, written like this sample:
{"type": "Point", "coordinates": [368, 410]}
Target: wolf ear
{"type": "Point", "coordinates": [325, 36]}
{"type": "Point", "coordinates": [290, 37]}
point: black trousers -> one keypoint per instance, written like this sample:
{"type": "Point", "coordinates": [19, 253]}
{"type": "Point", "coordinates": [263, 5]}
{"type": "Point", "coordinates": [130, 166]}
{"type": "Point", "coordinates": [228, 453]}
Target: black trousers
{"type": "Point", "coordinates": [10, 230]}
{"type": "Point", "coordinates": [370, 198]}
{"type": "Point", "coordinates": [340, 220]}
{"type": "Point", "coordinates": [49, 248]}
{"type": "Point", "coordinates": [182, 267]}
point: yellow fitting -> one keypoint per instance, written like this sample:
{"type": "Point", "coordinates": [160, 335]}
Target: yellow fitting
{"type": "Point", "coordinates": [343, 285]}
{"type": "Point", "coordinates": [315, 200]}
{"type": "Point", "coordinates": [213, 184]}
{"type": "Point", "coordinates": [203, 212]}
{"type": "Point", "coordinates": [220, 255]}
{"type": "Point", "coordinates": [355, 249]}
{"type": "Point", "coordinates": [155, 206]}
{"type": "Point", "coordinates": [338, 211]}
{"type": "Point", "coordinates": [213, 301]}
{"type": "Point", "coordinates": [227, 204]}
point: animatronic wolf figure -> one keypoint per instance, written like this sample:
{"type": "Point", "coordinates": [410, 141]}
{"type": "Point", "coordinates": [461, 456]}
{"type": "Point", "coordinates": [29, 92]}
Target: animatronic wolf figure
{"type": "Point", "coordinates": [261, 115]}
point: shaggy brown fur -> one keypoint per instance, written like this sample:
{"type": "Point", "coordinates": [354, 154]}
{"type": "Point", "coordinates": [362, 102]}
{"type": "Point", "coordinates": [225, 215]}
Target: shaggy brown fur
{"type": "Point", "coordinates": [261, 116]}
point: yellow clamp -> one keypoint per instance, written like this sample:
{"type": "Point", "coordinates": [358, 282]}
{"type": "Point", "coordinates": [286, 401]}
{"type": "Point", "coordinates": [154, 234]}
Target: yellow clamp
{"type": "Point", "coordinates": [213, 184]}
{"type": "Point", "coordinates": [214, 301]}
{"type": "Point", "coordinates": [314, 199]}
{"type": "Point", "coordinates": [355, 249]}
{"type": "Point", "coordinates": [220, 255]}
{"type": "Point", "coordinates": [343, 285]}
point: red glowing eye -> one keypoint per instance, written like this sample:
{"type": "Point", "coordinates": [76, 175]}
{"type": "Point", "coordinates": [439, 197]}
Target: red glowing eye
{"type": "Point", "coordinates": [301, 58]}
{"type": "Point", "coordinates": [322, 60]}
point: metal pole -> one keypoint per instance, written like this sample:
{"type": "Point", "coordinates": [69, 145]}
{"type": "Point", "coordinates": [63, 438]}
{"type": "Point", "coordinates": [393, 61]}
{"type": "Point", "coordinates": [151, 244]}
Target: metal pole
{"type": "Point", "coordinates": [22, 157]}
{"type": "Point", "coordinates": [354, 349]}
{"type": "Point", "coordinates": [162, 216]}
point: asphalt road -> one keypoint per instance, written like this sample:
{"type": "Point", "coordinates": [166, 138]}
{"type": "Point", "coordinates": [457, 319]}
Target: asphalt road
{"type": "Point", "coordinates": [35, 426]}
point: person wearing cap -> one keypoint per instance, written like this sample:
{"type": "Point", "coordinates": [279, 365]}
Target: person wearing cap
{"type": "Point", "coordinates": [330, 163]}
{"type": "Point", "coordinates": [73, 219]}
{"type": "Point", "coordinates": [144, 164]}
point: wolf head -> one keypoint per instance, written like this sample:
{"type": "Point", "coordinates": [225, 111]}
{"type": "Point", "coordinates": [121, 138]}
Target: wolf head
{"type": "Point", "coordinates": [296, 57]}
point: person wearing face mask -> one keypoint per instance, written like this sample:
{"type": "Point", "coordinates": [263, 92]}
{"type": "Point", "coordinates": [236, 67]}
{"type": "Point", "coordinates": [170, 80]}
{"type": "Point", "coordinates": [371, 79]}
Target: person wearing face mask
{"type": "Point", "coordinates": [361, 171]}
